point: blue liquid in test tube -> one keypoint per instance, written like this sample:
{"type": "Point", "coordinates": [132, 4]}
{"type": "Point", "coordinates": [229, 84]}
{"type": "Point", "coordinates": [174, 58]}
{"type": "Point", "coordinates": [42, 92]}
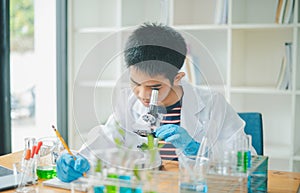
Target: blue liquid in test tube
{"type": "Point", "coordinates": [125, 189]}
{"type": "Point", "coordinates": [193, 187]}
{"type": "Point", "coordinates": [99, 189]}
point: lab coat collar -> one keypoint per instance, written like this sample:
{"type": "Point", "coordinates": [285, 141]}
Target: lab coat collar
{"type": "Point", "coordinates": [192, 104]}
{"type": "Point", "coordinates": [191, 100]}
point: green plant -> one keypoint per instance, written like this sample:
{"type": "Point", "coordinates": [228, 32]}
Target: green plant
{"type": "Point", "coordinates": [98, 167]}
{"type": "Point", "coordinates": [152, 149]}
{"type": "Point", "coordinates": [118, 141]}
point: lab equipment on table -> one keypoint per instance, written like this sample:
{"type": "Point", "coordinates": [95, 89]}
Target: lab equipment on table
{"type": "Point", "coordinates": [27, 166]}
{"type": "Point", "coordinates": [193, 171]}
{"type": "Point", "coordinates": [29, 143]}
{"type": "Point", "coordinates": [155, 181]}
{"type": "Point", "coordinates": [243, 153]}
{"type": "Point", "coordinates": [49, 152]}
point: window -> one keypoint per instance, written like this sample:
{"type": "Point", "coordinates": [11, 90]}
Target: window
{"type": "Point", "coordinates": [33, 69]}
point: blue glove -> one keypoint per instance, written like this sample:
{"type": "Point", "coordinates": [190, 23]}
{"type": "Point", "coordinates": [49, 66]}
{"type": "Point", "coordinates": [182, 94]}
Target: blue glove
{"type": "Point", "coordinates": [179, 137]}
{"type": "Point", "coordinates": [68, 169]}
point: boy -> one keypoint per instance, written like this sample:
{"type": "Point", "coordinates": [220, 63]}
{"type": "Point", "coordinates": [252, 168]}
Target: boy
{"type": "Point", "coordinates": [154, 54]}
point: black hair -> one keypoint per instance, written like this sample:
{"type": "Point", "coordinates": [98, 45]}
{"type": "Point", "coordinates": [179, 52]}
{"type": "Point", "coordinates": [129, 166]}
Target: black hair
{"type": "Point", "coordinates": [156, 49]}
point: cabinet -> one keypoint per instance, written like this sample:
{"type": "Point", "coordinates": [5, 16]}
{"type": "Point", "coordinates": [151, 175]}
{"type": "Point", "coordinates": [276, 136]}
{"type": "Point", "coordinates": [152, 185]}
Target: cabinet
{"type": "Point", "coordinates": [248, 50]}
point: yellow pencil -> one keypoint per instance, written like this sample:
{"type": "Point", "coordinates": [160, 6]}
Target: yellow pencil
{"type": "Point", "coordinates": [63, 142]}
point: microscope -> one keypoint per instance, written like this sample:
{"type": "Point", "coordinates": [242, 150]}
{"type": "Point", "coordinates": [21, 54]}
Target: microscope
{"type": "Point", "coordinates": [152, 118]}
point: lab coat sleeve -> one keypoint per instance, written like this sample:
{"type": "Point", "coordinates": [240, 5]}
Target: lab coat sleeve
{"type": "Point", "coordinates": [102, 137]}
{"type": "Point", "coordinates": [224, 127]}
{"type": "Point", "coordinates": [110, 135]}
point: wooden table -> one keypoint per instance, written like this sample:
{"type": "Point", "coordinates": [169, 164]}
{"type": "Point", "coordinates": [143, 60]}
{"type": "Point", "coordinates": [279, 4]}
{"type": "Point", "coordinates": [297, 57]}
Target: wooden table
{"type": "Point", "coordinates": [278, 181]}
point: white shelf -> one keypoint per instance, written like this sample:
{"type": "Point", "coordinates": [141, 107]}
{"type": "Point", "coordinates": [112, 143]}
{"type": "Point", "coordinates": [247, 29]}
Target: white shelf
{"type": "Point", "coordinates": [259, 90]}
{"type": "Point", "coordinates": [102, 84]}
{"type": "Point", "coordinates": [201, 27]}
{"type": "Point", "coordinates": [261, 26]}
{"type": "Point", "coordinates": [91, 30]}
{"type": "Point", "coordinates": [277, 151]}
{"type": "Point", "coordinates": [297, 156]}
{"type": "Point", "coordinates": [95, 30]}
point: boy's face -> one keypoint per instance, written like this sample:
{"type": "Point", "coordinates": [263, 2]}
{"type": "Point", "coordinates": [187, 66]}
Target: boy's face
{"type": "Point", "coordinates": [142, 85]}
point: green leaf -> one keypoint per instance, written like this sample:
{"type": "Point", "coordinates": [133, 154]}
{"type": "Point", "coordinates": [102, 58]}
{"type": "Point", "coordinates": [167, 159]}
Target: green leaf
{"type": "Point", "coordinates": [121, 131]}
{"type": "Point", "coordinates": [144, 146]}
{"type": "Point", "coordinates": [136, 173]}
{"type": "Point", "coordinates": [150, 141]}
{"type": "Point", "coordinates": [160, 145]}
{"type": "Point", "coordinates": [98, 167]}
{"type": "Point", "coordinates": [119, 128]}
{"type": "Point", "coordinates": [118, 142]}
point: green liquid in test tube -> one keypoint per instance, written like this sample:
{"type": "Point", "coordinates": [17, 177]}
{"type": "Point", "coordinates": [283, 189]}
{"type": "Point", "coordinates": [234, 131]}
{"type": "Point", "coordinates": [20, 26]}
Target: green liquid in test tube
{"type": "Point", "coordinates": [112, 188]}
{"type": "Point", "coordinates": [246, 162]}
{"type": "Point", "coordinates": [243, 154]}
{"type": "Point", "coordinates": [240, 161]}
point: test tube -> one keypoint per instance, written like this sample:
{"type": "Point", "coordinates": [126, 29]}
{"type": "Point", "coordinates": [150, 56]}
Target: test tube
{"type": "Point", "coordinates": [27, 162]}
{"type": "Point", "coordinates": [98, 172]}
{"type": "Point", "coordinates": [112, 173]}
{"type": "Point", "coordinates": [241, 154]}
{"type": "Point", "coordinates": [26, 175]}
{"type": "Point", "coordinates": [199, 187]}
{"type": "Point", "coordinates": [98, 166]}
{"type": "Point", "coordinates": [99, 189]}
{"type": "Point", "coordinates": [125, 177]}
{"type": "Point", "coordinates": [244, 153]}
{"type": "Point", "coordinates": [29, 143]}
{"type": "Point", "coordinates": [249, 144]}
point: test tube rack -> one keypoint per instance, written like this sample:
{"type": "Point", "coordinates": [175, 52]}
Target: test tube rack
{"type": "Point", "coordinates": [155, 181]}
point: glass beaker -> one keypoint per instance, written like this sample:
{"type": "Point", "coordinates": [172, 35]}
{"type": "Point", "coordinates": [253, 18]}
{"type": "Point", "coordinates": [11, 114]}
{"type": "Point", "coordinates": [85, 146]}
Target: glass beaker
{"type": "Point", "coordinates": [49, 152]}
{"type": "Point", "coordinates": [192, 177]}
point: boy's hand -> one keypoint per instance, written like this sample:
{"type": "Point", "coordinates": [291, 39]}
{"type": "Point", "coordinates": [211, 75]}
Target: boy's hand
{"type": "Point", "coordinates": [179, 137]}
{"type": "Point", "coordinates": [68, 169]}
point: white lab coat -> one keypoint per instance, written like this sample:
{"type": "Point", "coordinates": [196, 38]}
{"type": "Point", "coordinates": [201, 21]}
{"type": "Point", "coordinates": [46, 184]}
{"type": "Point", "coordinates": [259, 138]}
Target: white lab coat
{"type": "Point", "coordinates": [204, 113]}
